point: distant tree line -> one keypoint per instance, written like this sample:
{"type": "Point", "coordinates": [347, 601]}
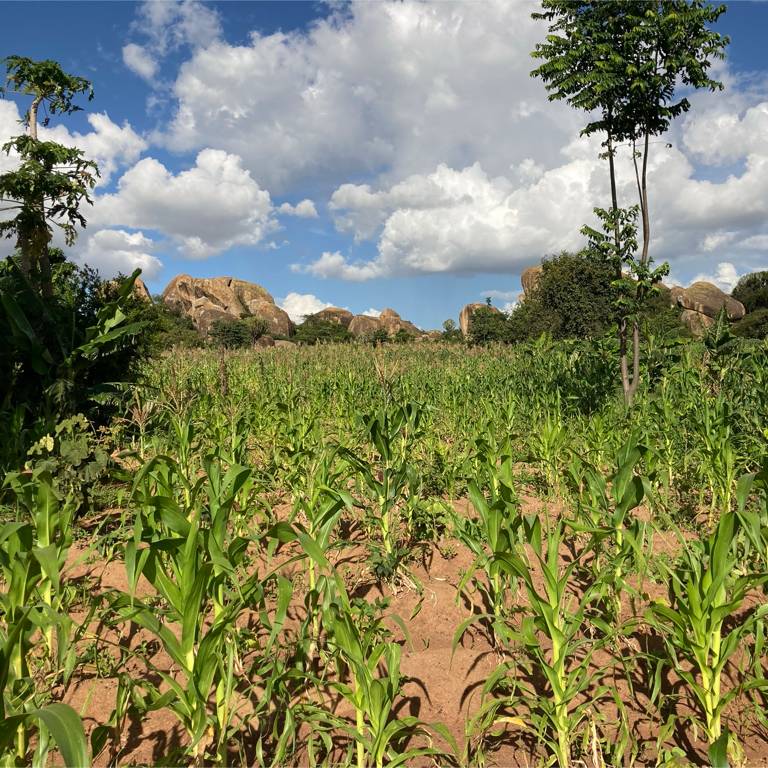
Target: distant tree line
{"type": "Point", "coordinates": [576, 297]}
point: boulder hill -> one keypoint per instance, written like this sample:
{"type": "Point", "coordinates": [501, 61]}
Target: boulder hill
{"type": "Point", "coordinates": [207, 299]}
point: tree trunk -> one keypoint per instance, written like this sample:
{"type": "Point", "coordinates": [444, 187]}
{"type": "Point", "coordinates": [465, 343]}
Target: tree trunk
{"type": "Point", "coordinates": [622, 331]}
{"type": "Point", "coordinates": [644, 203]}
{"type": "Point", "coordinates": [35, 262]}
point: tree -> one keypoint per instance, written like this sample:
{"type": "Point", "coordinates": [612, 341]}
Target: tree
{"type": "Point", "coordinates": [52, 180]}
{"type": "Point", "coordinates": [450, 331]}
{"type": "Point", "coordinates": [488, 325]}
{"type": "Point", "coordinates": [237, 333]}
{"type": "Point", "coordinates": [753, 325]}
{"type": "Point", "coordinates": [314, 330]}
{"type": "Point", "coordinates": [752, 291]}
{"type": "Point", "coordinates": [622, 60]}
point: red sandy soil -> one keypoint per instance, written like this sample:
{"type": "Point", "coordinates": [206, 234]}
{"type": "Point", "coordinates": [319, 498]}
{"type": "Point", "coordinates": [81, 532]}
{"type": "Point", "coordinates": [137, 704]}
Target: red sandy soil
{"type": "Point", "coordinates": [444, 685]}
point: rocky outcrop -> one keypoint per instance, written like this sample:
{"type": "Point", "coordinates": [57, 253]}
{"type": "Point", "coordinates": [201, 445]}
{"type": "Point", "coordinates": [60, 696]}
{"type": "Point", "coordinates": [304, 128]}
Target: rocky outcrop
{"type": "Point", "coordinates": [465, 316]}
{"type": "Point", "coordinates": [141, 291]}
{"type": "Point", "coordinates": [390, 321]}
{"type": "Point", "coordinates": [335, 315]}
{"type": "Point", "coordinates": [277, 321]}
{"type": "Point", "coordinates": [363, 325]}
{"type": "Point", "coordinates": [393, 323]}
{"type": "Point", "coordinates": [207, 299]}
{"type": "Point", "coordinates": [530, 278]}
{"type": "Point", "coordinates": [701, 303]}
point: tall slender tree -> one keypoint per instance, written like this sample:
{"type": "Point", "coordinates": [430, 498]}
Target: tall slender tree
{"type": "Point", "coordinates": [623, 61]}
{"type": "Point", "coordinates": [51, 181]}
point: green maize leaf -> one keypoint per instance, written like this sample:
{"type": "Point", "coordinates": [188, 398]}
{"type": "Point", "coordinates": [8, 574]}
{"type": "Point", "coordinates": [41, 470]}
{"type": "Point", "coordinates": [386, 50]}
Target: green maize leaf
{"type": "Point", "coordinates": [718, 751]}
{"type": "Point", "coordinates": [66, 728]}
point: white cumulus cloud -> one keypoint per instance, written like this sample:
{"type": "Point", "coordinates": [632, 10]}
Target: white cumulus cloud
{"type": "Point", "coordinates": [140, 61]}
{"type": "Point", "coordinates": [299, 305]}
{"type": "Point", "coordinates": [304, 210]}
{"type": "Point", "coordinates": [205, 210]}
{"type": "Point", "coordinates": [394, 86]}
{"type": "Point", "coordinates": [112, 251]}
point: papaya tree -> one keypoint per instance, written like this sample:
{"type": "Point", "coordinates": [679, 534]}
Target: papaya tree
{"type": "Point", "coordinates": [51, 181]}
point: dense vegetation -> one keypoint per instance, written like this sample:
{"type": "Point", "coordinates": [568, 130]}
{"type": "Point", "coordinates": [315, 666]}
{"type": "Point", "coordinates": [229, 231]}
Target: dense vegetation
{"type": "Point", "coordinates": [234, 475]}
{"type": "Point", "coordinates": [206, 548]}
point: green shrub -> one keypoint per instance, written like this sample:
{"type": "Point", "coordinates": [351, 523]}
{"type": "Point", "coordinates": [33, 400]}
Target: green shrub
{"type": "Point", "coordinates": [575, 299]}
{"type": "Point", "coordinates": [753, 325]}
{"type": "Point", "coordinates": [752, 291]}
{"type": "Point", "coordinates": [487, 325]}
{"type": "Point", "coordinates": [314, 330]}
{"type": "Point", "coordinates": [236, 334]}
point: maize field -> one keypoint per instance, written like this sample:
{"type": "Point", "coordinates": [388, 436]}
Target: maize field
{"type": "Point", "coordinates": [415, 555]}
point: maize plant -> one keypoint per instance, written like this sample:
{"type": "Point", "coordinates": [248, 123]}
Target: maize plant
{"type": "Point", "coordinates": [491, 537]}
{"type": "Point", "coordinates": [559, 649]}
{"type": "Point", "coordinates": [701, 625]}
{"type": "Point", "coordinates": [604, 505]}
{"type": "Point", "coordinates": [718, 455]}
{"type": "Point", "coordinates": [193, 562]}
{"type": "Point", "coordinates": [29, 606]}
{"type": "Point", "coordinates": [392, 432]}
{"type": "Point", "coordinates": [370, 681]}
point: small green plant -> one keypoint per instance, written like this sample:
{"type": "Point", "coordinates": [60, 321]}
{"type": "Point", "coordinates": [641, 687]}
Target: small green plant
{"type": "Point", "coordinates": [559, 646]}
{"type": "Point", "coordinates": [700, 625]}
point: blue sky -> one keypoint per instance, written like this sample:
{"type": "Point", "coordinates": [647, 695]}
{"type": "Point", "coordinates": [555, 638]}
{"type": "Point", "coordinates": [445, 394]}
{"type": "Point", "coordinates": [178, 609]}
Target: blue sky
{"type": "Point", "coordinates": [368, 155]}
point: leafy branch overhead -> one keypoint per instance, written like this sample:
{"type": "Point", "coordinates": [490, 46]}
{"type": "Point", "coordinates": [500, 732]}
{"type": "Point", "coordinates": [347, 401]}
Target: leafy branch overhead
{"type": "Point", "coordinates": [51, 181]}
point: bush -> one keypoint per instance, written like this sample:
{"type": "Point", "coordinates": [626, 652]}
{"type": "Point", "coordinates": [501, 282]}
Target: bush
{"type": "Point", "coordinates": [487, 325]}
{"type": "Point", "coordinates": [575, 299]}
{"type": "Point", "coordinates": [752, 326]}
{"type": "Point", "coordinates": [402, 336]}
{"type": "Point", "coordinates": [752, 291]}
{"type": "Point", "coordinates": [70, 353]}
{"type": "Point", "coordinates": [314, 330]}
{"type": "Point", "coordinates": [576, 294]}
{"type": "Point", "coordinates": [237, 334]}
{"type": "Point", "coordinates": [379, 336]}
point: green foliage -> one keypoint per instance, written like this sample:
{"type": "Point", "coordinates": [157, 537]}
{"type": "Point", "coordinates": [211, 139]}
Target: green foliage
{"type": "Point", "coordinates": [314, 330]}
{"type": "Point", "coordinates": [236, 334]}
{"type": "Point", "coordinates": [63, 355]}
{"type": "Point", "coordinates": [52, 181]}
{"type": "Point", "coordinates": [616, 246]}
{"type": "Point", "coordinates": [753, 325]}
{"type": "Point", "coordinates": [488, 325]}
{"type": "Point", "coordinates": [752, 291]}
{"type": "Point", "coordinates": [574, 298]}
